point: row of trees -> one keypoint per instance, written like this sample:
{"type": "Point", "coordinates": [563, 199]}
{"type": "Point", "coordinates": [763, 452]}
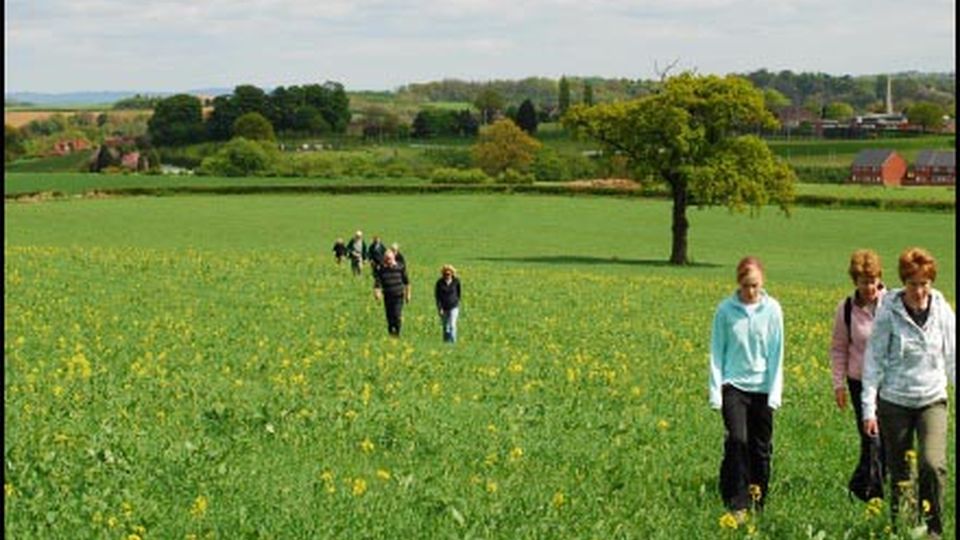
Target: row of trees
{"type": "Point", "coordinates": [865, 93]}
{"type": "Point", "coordinates": [313, 109]}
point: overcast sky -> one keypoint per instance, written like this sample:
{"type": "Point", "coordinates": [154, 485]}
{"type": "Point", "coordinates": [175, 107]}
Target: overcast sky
{"type": "Point", "coordinates": [177, 45]}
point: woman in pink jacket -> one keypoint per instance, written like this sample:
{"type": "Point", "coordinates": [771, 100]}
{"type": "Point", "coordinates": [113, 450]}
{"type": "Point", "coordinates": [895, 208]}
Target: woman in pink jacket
{"type": "Point", "coordinates": [852, 327]}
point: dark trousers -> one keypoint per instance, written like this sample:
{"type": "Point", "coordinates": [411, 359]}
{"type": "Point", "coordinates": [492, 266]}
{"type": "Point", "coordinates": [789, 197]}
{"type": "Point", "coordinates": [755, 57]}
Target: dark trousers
{"type": "Point", "coordinates": [747, 447]}
{"type": "Point", "coordinates": [898, 425]}
{"type": "Point", "coordinates": [393, 306]}
{"type": "Point", "coordinates": [856, 392]}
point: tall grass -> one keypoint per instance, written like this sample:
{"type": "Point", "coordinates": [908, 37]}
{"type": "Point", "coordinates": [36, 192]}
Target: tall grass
{"type": "Point", "coordinates": [200, 367]}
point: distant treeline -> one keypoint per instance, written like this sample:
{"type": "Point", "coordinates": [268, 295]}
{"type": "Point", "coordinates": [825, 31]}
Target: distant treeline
{"type": "Point", "coordinates": [863, 92]}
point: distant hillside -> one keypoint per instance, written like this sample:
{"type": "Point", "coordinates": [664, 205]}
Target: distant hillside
{"type": "Point", "coordinates": [39, 99]}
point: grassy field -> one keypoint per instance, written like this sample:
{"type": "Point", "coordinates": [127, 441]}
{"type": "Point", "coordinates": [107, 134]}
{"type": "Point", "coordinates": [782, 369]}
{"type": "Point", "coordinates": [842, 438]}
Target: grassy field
{"type": "Point", "coordinates": [841, 153]}
{"type": "Point", "coordinates": [19, 117]}
{"type": "Point", "coordinates": [198, 367]}
{"type": "Point", "coordinates": [77, 183]}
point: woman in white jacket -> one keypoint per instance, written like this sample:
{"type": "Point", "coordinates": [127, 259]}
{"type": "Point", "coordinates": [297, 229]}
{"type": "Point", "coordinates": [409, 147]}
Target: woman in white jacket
{"type": "Point", "coordinates": [910, 356]}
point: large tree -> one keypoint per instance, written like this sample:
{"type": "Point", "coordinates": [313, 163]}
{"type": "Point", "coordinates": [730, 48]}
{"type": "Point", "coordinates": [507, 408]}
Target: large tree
{"type": "Point", "coordinates": [177, 120]}
{"type": "Point", "coordinates": [693, 136]}
{"type": "Point", "coordinates": [927, 115]}
{"type": "Point", "coordinates": [489, 102]}
{"type": "Point", "coordinates": [502, 145]}
{"type": "Point", "coordinates": [563, 101]}
{"type": "Point", "coordinates": [253, 126]}
{"type": "Point", "coordinates": [527, 117]}
{"type": "Point", "coordinates": [838, 110]}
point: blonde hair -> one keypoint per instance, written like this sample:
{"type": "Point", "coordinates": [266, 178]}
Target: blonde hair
{"type": "Point", "coordinates": [866, 263]}
{"type": "Point", "coordinates": [450, 268]}
{"type": "Point", "coordinates": [745, 264]}
{"type": "Point", "coordinates": [917, 261]}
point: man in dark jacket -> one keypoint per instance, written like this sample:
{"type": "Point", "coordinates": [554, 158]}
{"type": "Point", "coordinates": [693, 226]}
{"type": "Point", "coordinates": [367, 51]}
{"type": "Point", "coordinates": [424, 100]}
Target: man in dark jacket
{"type": "Point", "coordinates": [393, 287]}
{"type": "Point", "coordinates": [375, 253]}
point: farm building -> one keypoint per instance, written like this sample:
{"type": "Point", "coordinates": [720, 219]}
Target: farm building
{"type": "Point", "coordinates": [933, 168]}
{"type": "Point", "coordinates": [878, 166]}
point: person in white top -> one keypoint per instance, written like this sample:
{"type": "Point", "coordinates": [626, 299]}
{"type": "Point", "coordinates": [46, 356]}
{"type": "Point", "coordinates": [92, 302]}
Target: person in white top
{"type": "Point", "coordinates": [910, 357]}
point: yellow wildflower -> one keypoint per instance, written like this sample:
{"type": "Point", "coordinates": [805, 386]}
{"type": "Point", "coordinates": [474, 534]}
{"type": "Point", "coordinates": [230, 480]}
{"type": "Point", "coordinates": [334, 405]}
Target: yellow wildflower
{"type": "Point", "coordinates": [663, 425]}
{"type": "Point", "coordinates": [359, 487]}
{"type": "Point", "coordinates": [755, 492]}
{"type": "Point", "coordinates": [491, 487]}
{"type": "Point", "coordinates": [926, 506]}
{"type": "Point", "coordinates": [383, 474]}
{"type": "Point", "coordinates": [516, 453]}
{"type": "Point", "coordinates": [9, 490]}
{"type": "Point", "coordinates": [199, 507]}
{"type": "Point", "coordinates": [112, 522]}
{"type": "Point", "coordinates": [367, 446]}
{"type": "Point", "coordinates": [558, 499]}
{"type": "Point", "coordinates": [134, 537]}
{"type": "Point", "coordinates": [727, 521]}
{"type": "Point", "coordinates": [910, 456]}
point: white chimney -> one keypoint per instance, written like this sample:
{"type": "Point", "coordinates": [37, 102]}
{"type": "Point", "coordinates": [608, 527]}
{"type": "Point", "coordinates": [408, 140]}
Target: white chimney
{"type": "Point", "coordinates": [889, 95]}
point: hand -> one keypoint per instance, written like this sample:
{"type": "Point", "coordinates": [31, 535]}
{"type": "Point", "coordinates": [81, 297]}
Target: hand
{"type": "Point", "coordinates": [378, 294]}
{"type": "Point", "coordinates": [841, 396]}
{"type": "Point", "coordinates": [407, 298]}
{"type": "Point", "coordinates": [871, 428]}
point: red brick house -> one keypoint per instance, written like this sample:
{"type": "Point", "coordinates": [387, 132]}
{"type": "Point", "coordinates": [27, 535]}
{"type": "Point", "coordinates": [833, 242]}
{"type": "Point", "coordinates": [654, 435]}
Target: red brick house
{"type": "Point", "coordinates": [878, 166]}
{"type": "Point", "coordinates": [933, 168]}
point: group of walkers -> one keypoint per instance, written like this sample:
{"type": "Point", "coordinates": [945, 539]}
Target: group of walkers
{"type": "Point", "coordinates": [892, 353]}
{"type": "Point", "coordinates": [391, 284]}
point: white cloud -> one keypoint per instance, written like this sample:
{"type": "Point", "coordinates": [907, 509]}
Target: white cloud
{"type": "Point", "coordinates": [60, 45]}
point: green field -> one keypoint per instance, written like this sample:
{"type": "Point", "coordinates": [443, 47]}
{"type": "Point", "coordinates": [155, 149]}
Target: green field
{"type": "Point", "coordinates": [841, 153]}
{"type": "Point", "coordinates": [198, 367]}
{"type": "Point", "coordinates": [79, 183]}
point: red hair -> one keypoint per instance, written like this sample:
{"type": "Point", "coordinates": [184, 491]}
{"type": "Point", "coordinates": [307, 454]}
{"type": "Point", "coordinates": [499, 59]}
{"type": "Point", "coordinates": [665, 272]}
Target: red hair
{"type": "Point", "coordinates": [745, 264]}
{"type": "Point", "coordinates": [917, 261]}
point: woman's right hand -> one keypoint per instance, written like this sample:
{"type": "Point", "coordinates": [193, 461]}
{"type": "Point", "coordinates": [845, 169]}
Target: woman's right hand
{"type": "Point", "coordinates": [871, 428]}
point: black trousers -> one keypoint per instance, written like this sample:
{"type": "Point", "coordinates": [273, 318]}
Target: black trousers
{"type": "Point", "coordinates": [747, 447]}
{"type": "Point", "coordinates": [393, 306]}
{"type": "Point", "coordinates": [856, 399]}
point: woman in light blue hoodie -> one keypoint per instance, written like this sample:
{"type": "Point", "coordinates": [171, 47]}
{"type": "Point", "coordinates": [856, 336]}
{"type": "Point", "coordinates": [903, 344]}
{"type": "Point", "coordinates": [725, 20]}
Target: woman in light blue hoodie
{"type": "Point", "coordinates": [746, 382]}
{"type": "Point", "coordinates": [910, 357]}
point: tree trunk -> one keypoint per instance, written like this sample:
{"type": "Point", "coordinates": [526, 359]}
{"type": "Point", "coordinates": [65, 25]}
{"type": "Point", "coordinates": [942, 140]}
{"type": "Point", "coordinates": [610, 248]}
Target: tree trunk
{"type": "Point", "coordinates": [678, 253]}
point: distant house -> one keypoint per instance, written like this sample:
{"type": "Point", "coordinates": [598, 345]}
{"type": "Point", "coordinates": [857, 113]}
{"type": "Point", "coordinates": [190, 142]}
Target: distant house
{"type": "Point", "coordinates": [793, 116]}
{"type": "Point", "coordinates": [68, 146]}
{"type": "Point", "coordinates": [933, 168]}
{"type": "Point", "coordinates": [878, 166]}
{"type": "Point", "coordinates": [130, 160]}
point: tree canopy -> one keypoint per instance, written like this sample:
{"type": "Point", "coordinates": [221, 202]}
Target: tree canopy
{"type": "Point", "coordinates": [527, 117]}
{"type": "Point", "coordinates": [694, 135]}
{"type": "Point", "coordinates": [253, 126]}
{"type": "Point", "coordinates": [927, 115]}
{"type": "Point", "coordinates": [502, 146]}
{"type": "Point", "coordinates": [177, 120]}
